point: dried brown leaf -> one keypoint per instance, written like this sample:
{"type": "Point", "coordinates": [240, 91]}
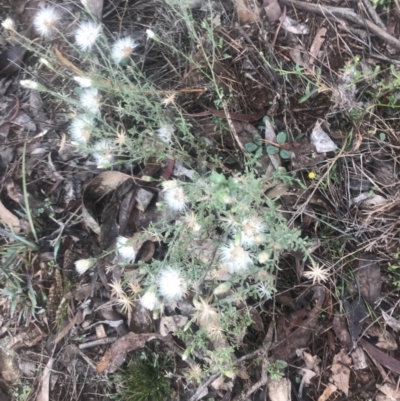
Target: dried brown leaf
{"type": "Point", "coordinates": [272, 10]}
{"type": "Point", "coordinates": [391, 321]}
{"type": "Point", "coordinates": [382, 338]}
{"type": "Point", "coordinates": [341, 371]}
{"type": "Point", "coordinates": [116, 354]}
{"type": "Point", "coordinates": [369, 279]}
{"type": "Point", "coordinates": [248, 10]}
{"type": "Point", "coordinates": [390, 392]}
{"type": "Point", "coordinates": [95, 7]}
{"type": "Point", "coordinates": [327, 392]}
{"type": "Point", "coordinates": [316, 44]}
{"type": "Point", "coordinates": [341, 332]}
{"type": "Point", "coordinates": [172, 323]}
{"type": "Point", "coordinates": [97, 188]}
{"type": "Point", "coordinates": [279, 390]}
{"type": "Point", "coordinates": [384, 359]}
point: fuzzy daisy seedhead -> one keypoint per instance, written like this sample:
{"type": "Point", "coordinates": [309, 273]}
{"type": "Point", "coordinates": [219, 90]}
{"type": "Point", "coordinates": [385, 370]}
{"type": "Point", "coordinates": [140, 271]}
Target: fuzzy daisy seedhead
{"type": "Point", "coordinates": [174, 196]}
{"type": "Point", "coordinates": [83, 265]}
{"type": "Point", "coordinates": [317, 273]}
{"type": "Point", "coordinates": [81, 128]}
{"type": "Point", "coordinates": [251, 228]}
{"type": "Point", "coordinates": [125, 304]}
{"type": "Point", "coordinates": [236, 258]}
{"type": "Point", "coordinates": [90, 100]}
{"type": "Point", "coordinates": [264, 291]}
{"type": "Point", "coordinates": [192, 222]}
{"type": "Point", "coordinates": [46, 20]}
{"type": "Point", "coordinates": [171, 284]}
{"type": "Point", "coordinates": [125, 249]}
{"type": "Point", "coordinates": [122, 49]}
{"type": "Point", "coordinates": [116, 289]}
{"type": "Point", "coordinates": [8, 24]}
{"type": "Point", "coordinates": [150, 299]}
{"type": "Point", "coordinates": [205, 313]}
{"type": "Point", "coordinates": [103, 153]}
{"type": "Point", "coordinates": [87, 35]}
{"type": "Point", "coordinates": [165, 133]}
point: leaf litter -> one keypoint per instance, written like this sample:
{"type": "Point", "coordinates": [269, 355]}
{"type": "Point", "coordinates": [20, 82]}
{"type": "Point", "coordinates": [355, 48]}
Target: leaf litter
{"type": "Point", "coordinates": [346, 199]}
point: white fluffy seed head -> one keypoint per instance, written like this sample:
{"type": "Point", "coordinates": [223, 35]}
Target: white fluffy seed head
{"type": "Point", "coordinates": [175, 198]}
{"type": "Point", "coordinates": [45, 21]}
{"type": "Point", "coordinates": [171, 284]}
{"type": "Point", "coordinates": [81, 128]}
{"type": "Point", "coordinates": [150, 300]}
{"type": "Point", "coordinates": [87, 34]}
{"type": "Point", "coordinates": [122, 49]}
{"type": "Point", "coordinates": [103, 153]}
{"type": "Point", "coordinates": [125, 249]}
{"type": "Point", "coordinates": [235, 257]}
{"type": "Point", "coordinates": [250, 228]}
{"type": "Point", "coordinates": [165, 133]}
{"type": "Point", "coordinates": [90, 100]}
{"type": "Point", "coordinates": [8, 24]}
{"type": "Point", "coordinates": [83, 265]}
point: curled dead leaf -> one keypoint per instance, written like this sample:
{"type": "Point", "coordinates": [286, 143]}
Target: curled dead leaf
{"type": "Point", "coordinates": [116, 354]}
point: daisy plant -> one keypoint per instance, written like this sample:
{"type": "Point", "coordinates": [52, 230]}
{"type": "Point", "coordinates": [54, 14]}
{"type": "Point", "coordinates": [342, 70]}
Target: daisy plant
{"type": "Point", "coordinates": [221, 237]}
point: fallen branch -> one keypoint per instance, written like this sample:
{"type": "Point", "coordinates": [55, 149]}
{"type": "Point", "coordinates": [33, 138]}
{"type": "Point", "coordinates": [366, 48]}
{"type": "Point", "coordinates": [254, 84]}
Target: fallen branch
{"type": "Point", "coordinates": [335, 12]}
{"type": "Point", "coordinates": [201, 388]}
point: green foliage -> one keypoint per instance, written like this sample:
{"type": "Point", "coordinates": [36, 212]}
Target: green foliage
{"type": "Point", "coordinates": [275, 369]}
{"type": "Point", "coordinates": [144, 379]}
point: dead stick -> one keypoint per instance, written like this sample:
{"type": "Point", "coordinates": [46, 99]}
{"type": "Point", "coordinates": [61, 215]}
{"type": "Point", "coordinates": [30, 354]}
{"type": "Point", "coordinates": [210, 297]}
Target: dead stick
{"type": "Point", "coordinates": [201, 388]}
{"type": "Point", "coordinates": [334, 12]}
{"type": "Point", "coordinates": [373, 14]}
{"type": "Point", "coordinates": [101, 341]}
{"type": "Point", "coordinates": [262, 382]}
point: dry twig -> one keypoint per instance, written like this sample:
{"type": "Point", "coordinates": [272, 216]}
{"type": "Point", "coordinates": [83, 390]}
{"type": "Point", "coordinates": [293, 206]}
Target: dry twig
{"type": "Point", "coordinates": [335, 12]}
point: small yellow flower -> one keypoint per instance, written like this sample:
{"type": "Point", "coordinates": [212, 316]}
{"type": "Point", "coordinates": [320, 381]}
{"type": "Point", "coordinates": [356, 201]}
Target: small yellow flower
{"type": "Point", "coordinates": [312, 175]}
